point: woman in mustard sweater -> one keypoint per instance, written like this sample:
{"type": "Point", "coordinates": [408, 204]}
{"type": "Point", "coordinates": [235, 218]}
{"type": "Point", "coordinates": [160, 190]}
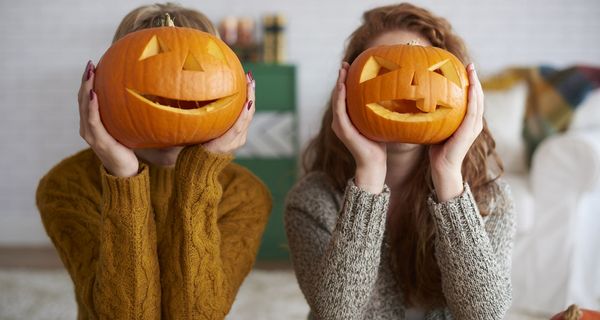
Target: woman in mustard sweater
{"type": "Point", "coordinates": [155, 233]}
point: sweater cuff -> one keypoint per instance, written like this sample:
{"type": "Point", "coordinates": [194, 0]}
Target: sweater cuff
{"type": "Point", "coordinates": [198, 166]}
{"type": "Point", "coordinates": [458, 213]}
{"type": "Point", "coordinates": [364, 212]}
{"type": "Point", "coordinates": [125, 194]}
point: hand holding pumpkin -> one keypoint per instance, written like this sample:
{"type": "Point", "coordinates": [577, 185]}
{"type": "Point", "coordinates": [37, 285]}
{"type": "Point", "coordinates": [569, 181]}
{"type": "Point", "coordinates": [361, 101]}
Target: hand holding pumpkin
{"type": "Point", "coordinates": [370, 156]}
{"type": "Point", "coordinates": [235, 137]}
{"type": "Point", "coordinates": [447, 158]}
{"type": "Point", "coordinates": [117, 159]}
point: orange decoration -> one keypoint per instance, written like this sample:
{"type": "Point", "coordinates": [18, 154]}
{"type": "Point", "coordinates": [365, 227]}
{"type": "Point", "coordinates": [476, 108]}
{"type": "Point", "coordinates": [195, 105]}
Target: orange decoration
{"type": "Point", "coordinates": [407, 93]}
{"type": "Point", "coordinates": [169, 86]}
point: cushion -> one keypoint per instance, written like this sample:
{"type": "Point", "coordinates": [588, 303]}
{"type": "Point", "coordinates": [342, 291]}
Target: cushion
{"type": "Point", "coordinates": [587, 114]}
{"type": "Point", "coordinates": [504, 112]}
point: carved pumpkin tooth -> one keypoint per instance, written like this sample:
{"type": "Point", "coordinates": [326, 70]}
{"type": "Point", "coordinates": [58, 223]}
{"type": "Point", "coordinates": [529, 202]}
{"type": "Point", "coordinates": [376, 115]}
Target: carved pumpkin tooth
{"type": "Point", "coordinates": [394, 93]}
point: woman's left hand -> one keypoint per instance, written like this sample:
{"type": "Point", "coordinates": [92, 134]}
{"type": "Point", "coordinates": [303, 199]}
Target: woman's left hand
{"type": "Point", "coordinates": [235, 137]}
{"type": "Point", "coordinates": [447, 158]}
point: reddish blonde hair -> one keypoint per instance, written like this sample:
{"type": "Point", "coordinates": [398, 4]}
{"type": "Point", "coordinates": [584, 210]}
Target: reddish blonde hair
{"type": "Point", "coordinates": [413, 232]}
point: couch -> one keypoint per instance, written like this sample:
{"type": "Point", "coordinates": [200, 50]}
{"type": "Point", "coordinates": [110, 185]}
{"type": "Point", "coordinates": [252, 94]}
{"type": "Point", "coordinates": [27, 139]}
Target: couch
{"type": "Point", "coordinates": [556, 258]}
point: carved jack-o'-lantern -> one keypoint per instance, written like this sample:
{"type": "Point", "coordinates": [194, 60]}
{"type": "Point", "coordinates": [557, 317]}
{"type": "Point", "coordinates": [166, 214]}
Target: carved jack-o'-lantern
{"type": "Point", "coordinates": [407, 93]}
{"type": "Point", "coordinates": [169, 86]}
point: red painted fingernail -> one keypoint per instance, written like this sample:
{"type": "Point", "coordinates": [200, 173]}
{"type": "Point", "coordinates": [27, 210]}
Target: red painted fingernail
{"type": "Point", "coordinates": [251, 75]}
{"type": "Point", "coordinates": [249, 104]}
{"type": "Point", "coordinates": [87, 70]}
{"type": "Point", "coordinates": [91, 94]}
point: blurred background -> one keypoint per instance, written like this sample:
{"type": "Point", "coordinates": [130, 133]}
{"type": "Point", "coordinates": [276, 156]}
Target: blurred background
{"type": "Point", "coordinates": [540, 58]}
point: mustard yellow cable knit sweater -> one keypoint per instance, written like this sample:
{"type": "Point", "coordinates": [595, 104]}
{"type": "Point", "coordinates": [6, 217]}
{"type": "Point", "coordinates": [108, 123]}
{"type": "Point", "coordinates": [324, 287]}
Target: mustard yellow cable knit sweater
{"type": "Point", "coordinates": [168, 243]}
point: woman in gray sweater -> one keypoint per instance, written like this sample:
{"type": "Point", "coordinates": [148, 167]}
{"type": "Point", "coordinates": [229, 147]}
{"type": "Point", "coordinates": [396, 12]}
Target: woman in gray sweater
{"type": "Point", "coordinates": [401, 231]}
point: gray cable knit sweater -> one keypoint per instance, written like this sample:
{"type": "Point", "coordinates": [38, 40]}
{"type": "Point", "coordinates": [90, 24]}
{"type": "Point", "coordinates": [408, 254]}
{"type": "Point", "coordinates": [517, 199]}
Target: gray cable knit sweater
{"type": "Point", "coordinates": [342, 260]}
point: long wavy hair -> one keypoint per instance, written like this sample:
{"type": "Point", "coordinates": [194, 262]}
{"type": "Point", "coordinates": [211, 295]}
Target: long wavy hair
{"type": "Point", "coordinates": [412, 230]}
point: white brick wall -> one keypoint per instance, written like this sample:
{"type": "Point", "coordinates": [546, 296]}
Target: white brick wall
{"type": "Point", "coordinates": [44, 46]}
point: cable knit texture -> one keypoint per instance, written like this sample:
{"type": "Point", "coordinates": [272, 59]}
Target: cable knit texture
{"type": "Point", "coordinates": [342, 258]}
{"type": "Point", "coordinates": [168, 243]}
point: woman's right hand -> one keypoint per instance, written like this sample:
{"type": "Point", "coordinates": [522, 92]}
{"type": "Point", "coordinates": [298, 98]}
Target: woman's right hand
{"type": "Point", "coordinates": [117, 159]}
{"type": "Point", "coordinates": [369, 156]}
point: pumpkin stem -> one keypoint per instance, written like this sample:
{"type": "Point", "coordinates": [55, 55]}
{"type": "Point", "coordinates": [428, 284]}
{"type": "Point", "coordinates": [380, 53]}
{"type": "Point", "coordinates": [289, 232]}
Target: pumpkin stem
{"type": "Point", "coordinates": [167, 21]}
{"type": "Point", "coordinates": [572, 313]}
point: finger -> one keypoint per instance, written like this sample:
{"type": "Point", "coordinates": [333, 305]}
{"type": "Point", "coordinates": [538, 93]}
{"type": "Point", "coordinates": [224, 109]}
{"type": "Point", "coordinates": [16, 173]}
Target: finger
{"type": "Point", "coordinates": [250, 88]}
{"type": "Point", "coordinates": [342, 75]}
{"type": "Point", "coordinates": [345, 65]}
{"type": "Point", "coordinates": [339, 98]}
{"type": "Point", "coordinates": [89, 69]}
{"type": "Point", "coordinates": [86, 86]}
{"type": "Point", "coordinates": [96, 126]}
{"type": "Point", "coordinates": [238, 126]}
{"type": "Point", "coordinates": [340, 86]}
{"type": "Point", "coordinates": [477, 102]}
{"type": "Point", "coordinates": [473, 96]}
{"type": "Point", "coordinates": [248, 120]}
{"type": "Point", "coordinates": [80, 92]}
{"type": "Point", "coordinates": [468, 123]}
{"type": "Point", "coordinates": [84, 105]}
{"type": "Point", "coordinates": [84, 76]}
{"type": "Point", "coordinates": [95, 123]}
{"type": "Point", "coordinates": [480, 96]}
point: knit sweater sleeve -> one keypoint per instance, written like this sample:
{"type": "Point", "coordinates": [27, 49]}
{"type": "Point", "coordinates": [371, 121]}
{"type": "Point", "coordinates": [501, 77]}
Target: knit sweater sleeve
{"type": "Point", "coordinates": [474, 254]}
{"type": "Point", "coordinates": [106, 241]}
{"type": "Point", "coordinates": [214, 237]}
{"type": "Point", "coordinates": [336, 265]}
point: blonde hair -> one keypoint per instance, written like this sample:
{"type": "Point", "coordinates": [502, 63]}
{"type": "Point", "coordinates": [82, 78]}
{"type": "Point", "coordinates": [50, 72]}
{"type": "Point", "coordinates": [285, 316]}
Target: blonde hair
{"type": "Point", "coordinates": [150, 16]}
{"type": "Point", "coordinates": [413, 234]}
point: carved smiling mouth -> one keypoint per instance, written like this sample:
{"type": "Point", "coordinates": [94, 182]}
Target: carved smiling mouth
{"type": "Point", "coordinates": [400, 106]}
{"type": "Point", "coordinates": [179, 104]}
{"type": "Point", "coordinates": [403, 109]}
{"type": "Point", "coordinates": [184, 105]}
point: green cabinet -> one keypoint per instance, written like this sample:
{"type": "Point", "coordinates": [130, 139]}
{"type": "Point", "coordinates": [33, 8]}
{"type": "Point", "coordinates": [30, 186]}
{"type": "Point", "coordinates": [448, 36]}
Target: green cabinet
{"type": "Point", "coordinates": [271, 149]}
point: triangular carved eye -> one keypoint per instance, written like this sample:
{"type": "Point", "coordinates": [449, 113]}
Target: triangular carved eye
{"type": "Point", "coordinates": [191, 63]}
{"type": "Point", "coordinates": [153, 47]}
{"type": "Point", "coordinates": [214, 50]}
{"type": "Point", "coordinates": [375, 67]}
{"type": "Point", "coordinates": [446, 69]}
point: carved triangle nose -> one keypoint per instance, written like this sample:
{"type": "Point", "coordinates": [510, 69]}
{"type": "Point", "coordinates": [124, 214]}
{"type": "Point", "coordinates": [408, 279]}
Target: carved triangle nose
{"type": "Point", "coordinates": [191, 63]}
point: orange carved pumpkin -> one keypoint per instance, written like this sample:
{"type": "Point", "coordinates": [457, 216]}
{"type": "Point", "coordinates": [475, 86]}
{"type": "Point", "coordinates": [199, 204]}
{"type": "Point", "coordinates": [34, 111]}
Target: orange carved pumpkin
{"type": "Point", "coordinates": [169, 86]}
{"type": "Point", "coordinates": [407, 93]}
{"type": "Point", "coordinates": [575, 313]}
